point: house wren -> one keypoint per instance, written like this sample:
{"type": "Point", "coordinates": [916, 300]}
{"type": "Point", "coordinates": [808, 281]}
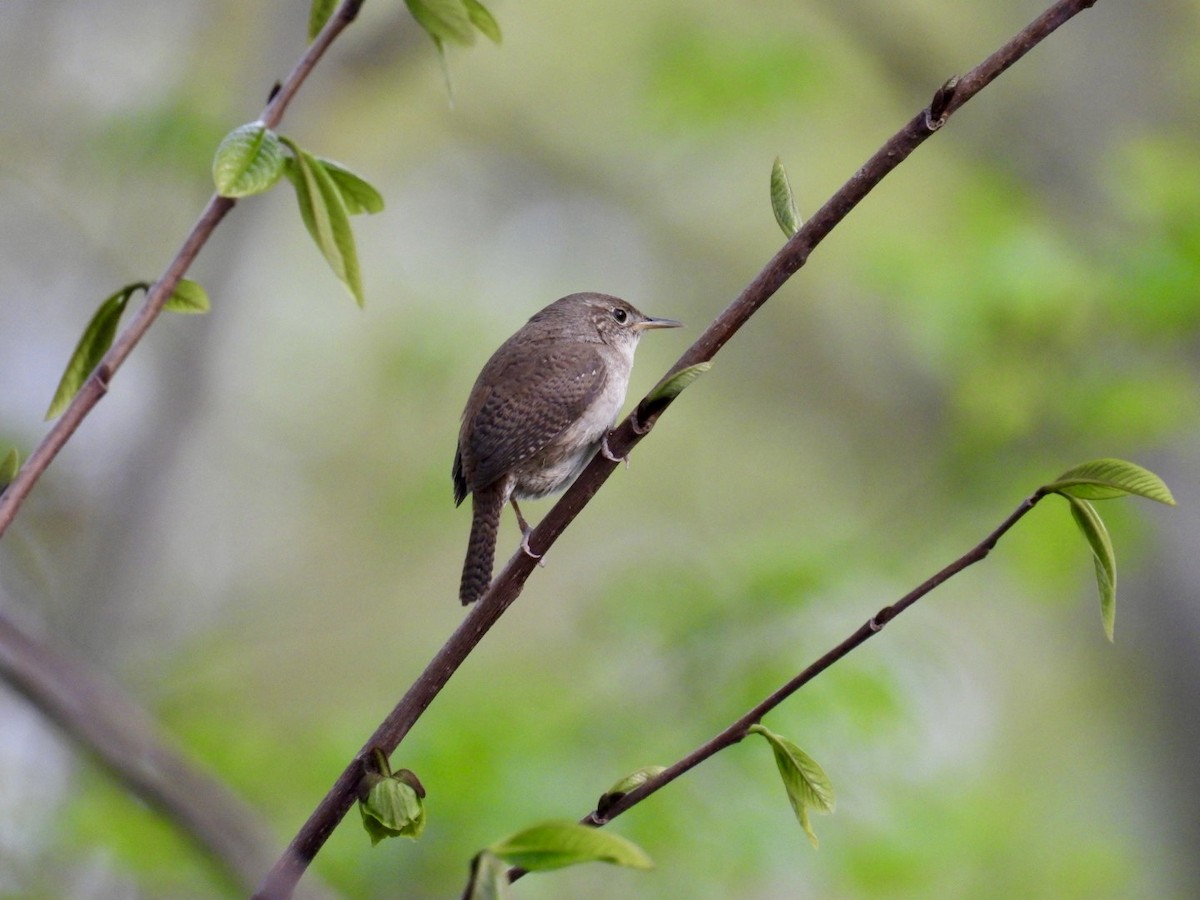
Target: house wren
{"type": "Point", "coordinates": [538, 413]}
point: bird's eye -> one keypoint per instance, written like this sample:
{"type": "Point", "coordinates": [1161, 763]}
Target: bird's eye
{"type": "Point", "coordinates": [620, 315]}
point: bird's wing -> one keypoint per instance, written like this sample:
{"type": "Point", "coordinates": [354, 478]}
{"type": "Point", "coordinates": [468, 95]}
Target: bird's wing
{"type": "Point", "coordinates": [534, 399]}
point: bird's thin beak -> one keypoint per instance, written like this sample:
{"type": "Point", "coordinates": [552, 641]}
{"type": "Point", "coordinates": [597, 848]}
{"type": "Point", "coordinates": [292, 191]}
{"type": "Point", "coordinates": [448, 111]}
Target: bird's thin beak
{"type": "Point", "coordinates": [651, 322]}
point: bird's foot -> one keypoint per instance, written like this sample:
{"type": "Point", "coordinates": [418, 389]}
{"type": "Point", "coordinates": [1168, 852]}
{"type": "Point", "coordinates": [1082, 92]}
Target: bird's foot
{"type": "Point", "coordinates": [609, 455]}
{"type": "Point", "coordinates": [529, 550]}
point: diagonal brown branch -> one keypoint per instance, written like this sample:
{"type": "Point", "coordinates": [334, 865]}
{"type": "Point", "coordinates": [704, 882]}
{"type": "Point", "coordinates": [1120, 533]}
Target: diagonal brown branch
{"type": "Point", "coordinates": [508, 585]}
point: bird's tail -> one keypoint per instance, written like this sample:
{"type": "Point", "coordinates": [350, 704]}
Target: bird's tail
{"type": "Point", "coordinates": [487, 505]}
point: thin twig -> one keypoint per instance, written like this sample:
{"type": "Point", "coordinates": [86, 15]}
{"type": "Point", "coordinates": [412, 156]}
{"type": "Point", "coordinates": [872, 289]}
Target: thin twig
{"type": "Point", "coordinates": [507, 586]}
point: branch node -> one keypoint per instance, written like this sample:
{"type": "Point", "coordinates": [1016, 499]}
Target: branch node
{"type": "Point", "coordinates": [102, 375]}
{"type": "Point", "coordinates": [937, 112]}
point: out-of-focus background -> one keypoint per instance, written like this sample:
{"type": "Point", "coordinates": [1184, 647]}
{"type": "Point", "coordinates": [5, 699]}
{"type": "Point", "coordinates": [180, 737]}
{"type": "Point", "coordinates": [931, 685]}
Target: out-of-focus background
{"type": "Point", "coordinates": [253, 534]}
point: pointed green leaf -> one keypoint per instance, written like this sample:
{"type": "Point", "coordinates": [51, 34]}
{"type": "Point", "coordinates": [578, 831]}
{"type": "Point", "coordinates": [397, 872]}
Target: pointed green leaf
{"type": "Point", "coordinates": [1093, 529]}
{"type": "Point", "coordinates": [553, 845]}
{"type": "Point", "coordinates": [482, 19]}
{"type": "Point", "coordinates": [325, 216]}
{"type": "Point", "coordinates": [444, 20]}
{"type": "Point", "coordinates": [489, 878]}
{"type": "Point", "coordinates": [625, 785]}
{"type": "Point", "coordinates": [188, 297]}
{"type": "Point", "coordinates": [93, 344]}
{"type": "Point", "coordinates": [9, 467]}
{"type": "Point", "coordinates": [672, 387]}
{"type": "Point", "coordinates": [392, 809]}
{"type": "Point", "coordinates": [318, 15]}
{"type": "Point", "coordinates": [783, 204]}
{"type": "Point", "coordinates": [357, 194]}
{"type": "Point", "coordinates": [805, 781]}
{"type": "Point", "coordinates": [1101, 479]}
{"type": "Point", "coordinates": [249, 160]}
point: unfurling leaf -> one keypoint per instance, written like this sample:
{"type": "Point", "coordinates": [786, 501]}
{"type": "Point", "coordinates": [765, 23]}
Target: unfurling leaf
{"type": "Point", "coordinates": [446, 21]}
{"type": "Point", "coordinates": [807, 785]}
{"type": "Point", "coordinates": [1102, 479]}
{"type": "Point", "coordinates": [672, 387]}
{"type": "Point", "coordinates": [392, 808]}
{"type": "Point", "coordinates": [357, 194]}
{"type": "Point", "coordinates": [326, 216]}
{"type": "Point", "coordinates": [482, 19]}
{"type": "Point", "coordinates": [1093, 529]}
{"type": "Point", "coordinates": [188, 297]}
{"type": "Point", "coordinates": [783, 204]}
{"type": "Point", "coordinates": [553, 845]}
{"type": "Point", "coordinates": [93, 344]}
{"type": "Point", "coordinates": [318, 15]}
{"type": "Point", "coordinates": [489, 878]}
{"type": "Point", "coordinates": [249, 160]}
{"type": "Point", "coordinates": [9, 467]}
{"type": "Point", "coordinates": [625, 785]}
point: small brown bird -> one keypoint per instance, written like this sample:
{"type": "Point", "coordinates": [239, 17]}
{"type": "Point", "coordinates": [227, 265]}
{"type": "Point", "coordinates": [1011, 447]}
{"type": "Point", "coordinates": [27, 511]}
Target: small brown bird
{"type": "Point", "coordinates": [539, 412]}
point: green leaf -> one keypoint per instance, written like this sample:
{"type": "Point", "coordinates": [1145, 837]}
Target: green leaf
{"type": "Point", "coordinates": [188, 297]}
{"type": "Point", "coordinates": [325, 216]}
{"type": "Point", "coordinates": [672, 387]}
{"type": "Point", "coordinates": [249, 160]}
{"type": "Point", "coordinates": [625, 785]}
{"type": "Point", "coordinates": [553, 845]}
{"type": "Point", "coordinates": [93, 344]}
{"type": "Point", "coordinates": [1102, 479]}
{"type": "Point", "coordinates": [783, 204]}
{"type": "Point", "coordinates": [392, 809]}
{"type": "Point", "coordinates": [1093, 529]}
{"type": "Point", "coordinates": [9, 467]}
{"type": "Point", "coordinates": [446, 21]}
{"type": "Point", "coordinates": [489, 878]}
{"type": "Point", "coordinates": [482, 19]}
{"type": "Point", "coordinates": [318, 15]}
{"type": "Point", "coordinates": [357, 194]}
{"type": "Point", "coordinates": [807, 785]}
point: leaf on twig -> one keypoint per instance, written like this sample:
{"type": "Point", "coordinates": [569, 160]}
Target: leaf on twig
{"type": "Point", "coordinates": [249, 160]}
{"type": "Point", "coordinates": [326, 216]}
{"type": "Point", "coordinates": [97, 337]}
{"type": "Point", "coordinates": [446, 21]}
{"type": "Point", "coordinates": [1102, 479]}
{"type": "Point", "coordinates": [9, 467]}
{"type": "Point", "coordinates": [553, 845]}
{"type": "Point", "coordinates": [489, 878]}
{"type": "Point", "coordinates": [807, 785]}
{"type": "Point", "coordinates": [188, 298]}
{"type": "Point", "coordinates": [392, 808]}
{"type": "Point", "coordinates": [357, 194]}
{"type": "Point", "coordinates": [672, 387]}
{"type": "Point", "coordinates": [318, 15]}
{"type": "Point", "coordinates": [482, 19]}
{"type": "Point", "coordinates": [633, 780]}
{"type": "Point", "coordinates": [1093, 529]}
{"type": "Point", "coordinates": [783, 204]}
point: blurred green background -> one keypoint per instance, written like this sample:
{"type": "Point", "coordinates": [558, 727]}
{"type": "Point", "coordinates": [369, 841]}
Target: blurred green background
{"type": "Point", "coordinates": [254, 532]}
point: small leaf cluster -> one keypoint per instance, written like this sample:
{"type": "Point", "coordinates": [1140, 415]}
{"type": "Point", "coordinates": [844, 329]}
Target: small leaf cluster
{"type": "Point", "coordinates": [252, 158]}
{"type": "Point", "coordinates": [101, 330]}
{"type": "Point", "coordinates": [1104, 479]}
{"type": "Point", "coordinates": [807, 785]}
{"type": "Point", "coordinates": [549, 845]}
{"type": "Point", "coordinates": [392, 804]}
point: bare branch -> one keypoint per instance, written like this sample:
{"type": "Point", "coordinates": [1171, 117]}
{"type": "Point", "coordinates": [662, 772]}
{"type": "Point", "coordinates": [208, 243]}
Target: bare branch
{"type": "Point", "coordinates": [509, 583]}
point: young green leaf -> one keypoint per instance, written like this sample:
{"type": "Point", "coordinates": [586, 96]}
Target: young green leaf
{"type": "Point", "coordinates": [446, 21]}
{"type": "Point", "coordinates": [93, 344]}
{"type": "Point", "coordinates": [553, 845]}
{"type": "Point", "coordinates": [489, 878]}
{"type": "Point", "coordinates": [625, 785]}
{"type": "Point", "coordinates": [188, 297]}
{"type": "Point", "coordinates": [325, 216]}
{"type": "Point", "coordinates": [392, 809]}
{"type": "Point", "coordinates": [482, 19]}
{"type": "Point", "coordinates": [783, 204]}
{"type": "Point", "coordinates": [249, 160]}
{"type": "Point", "coordinates": [9, 467]}
{"type": "Point", "coordinates": [318, 15]}
{"type": "Point", "coordinates": [357, 194]}
{"type": "Point", "coordinates": [672, 387]}
{"type": "Point", "coordinates": [806, 783]}
{"type": "Point", "coordinates": [1102, 479]}
{"type": "Point", "coordinates": [1093, 529]}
